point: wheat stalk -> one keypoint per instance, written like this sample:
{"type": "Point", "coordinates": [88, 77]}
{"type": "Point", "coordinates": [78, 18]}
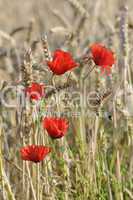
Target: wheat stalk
{"type": "Point", "coordinates": [47, 53]}
{"type": "Point", "coordinates": [78, 6]}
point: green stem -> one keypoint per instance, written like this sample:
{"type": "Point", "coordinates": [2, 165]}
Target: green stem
{"type": "Point", "coordinates": [32, 187]}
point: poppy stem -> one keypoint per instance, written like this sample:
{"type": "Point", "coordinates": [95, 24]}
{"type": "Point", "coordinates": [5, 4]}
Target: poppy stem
{"type": "Point", "coordinates": [68, 77]}
{"type": "Point", "coordinates": [31, 183]}
{"type": "Point", "coordinates": [24, 166]}
{"type": "Point", "coordinates": [38, 181]}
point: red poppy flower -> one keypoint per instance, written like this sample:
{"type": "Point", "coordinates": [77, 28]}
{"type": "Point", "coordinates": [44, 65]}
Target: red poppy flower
{"type": "Point", "coordinates": [34, 153]}
{"type": "Point", "coordinates": [56, 127]}
{"type": "Point", "coordinates": [35, 91]}
{"type": "Point", "coordinates": [62, 62]}
{"type": "Point", "coordinates": [102, 57]}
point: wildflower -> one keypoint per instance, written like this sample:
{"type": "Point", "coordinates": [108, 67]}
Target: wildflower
{"type": "Point", "coordinates": [34, 153]}
{"type": "Point", "coordinates": [102, 57]}
{"type": "Point", "coordinates": [35, 91]}
{"type": "Point", "coordinates": [56, 127]}
{"type": "Point", "coordinates": [62, 62]}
